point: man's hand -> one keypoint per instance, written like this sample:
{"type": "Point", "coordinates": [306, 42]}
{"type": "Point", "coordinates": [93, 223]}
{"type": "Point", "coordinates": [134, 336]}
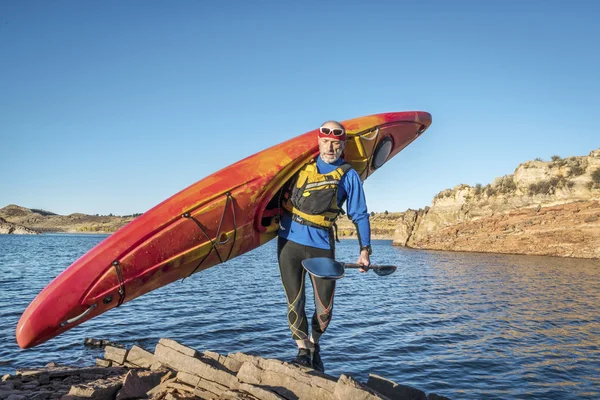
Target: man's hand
{"type": "Point", "coordinates": [364, 260]}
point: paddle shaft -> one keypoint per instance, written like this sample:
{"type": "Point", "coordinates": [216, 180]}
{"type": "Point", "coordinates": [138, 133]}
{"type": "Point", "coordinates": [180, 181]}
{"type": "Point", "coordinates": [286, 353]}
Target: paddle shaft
{"type": "Point", "coordinates": [352, 265]}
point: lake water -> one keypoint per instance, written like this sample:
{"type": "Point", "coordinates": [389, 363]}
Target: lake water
{"type": "Point", "coordinates": [461, 325]}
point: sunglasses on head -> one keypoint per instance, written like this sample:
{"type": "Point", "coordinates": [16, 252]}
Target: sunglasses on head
{"type": "Point", "coordinates": [334, 131]}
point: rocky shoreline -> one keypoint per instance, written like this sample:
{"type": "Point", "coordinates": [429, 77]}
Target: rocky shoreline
{"type": "Point", "coordinates": [175, 371]}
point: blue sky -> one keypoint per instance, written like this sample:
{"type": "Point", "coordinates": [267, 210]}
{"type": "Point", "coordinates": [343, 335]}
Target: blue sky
{"type": "Point", "coordinates": [111, 107]}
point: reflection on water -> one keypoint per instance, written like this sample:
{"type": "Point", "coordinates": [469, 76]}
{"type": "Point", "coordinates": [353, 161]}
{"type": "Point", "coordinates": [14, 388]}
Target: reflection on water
{"type": "Point", "coordinates": [462, 325]}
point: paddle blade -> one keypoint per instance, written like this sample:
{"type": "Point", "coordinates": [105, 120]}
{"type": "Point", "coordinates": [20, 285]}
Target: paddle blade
{"type": "Point", "coordinates": [325, 268]}
{"type": "Point", "coordinates": [384, 270]}
{"type": "Point", "coordinates": [381, 270]}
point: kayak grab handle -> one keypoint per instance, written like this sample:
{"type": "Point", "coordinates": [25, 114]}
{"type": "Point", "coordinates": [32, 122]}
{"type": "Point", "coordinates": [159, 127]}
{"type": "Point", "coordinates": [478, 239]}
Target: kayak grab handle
{"type": "Point", "coordinates": [77, 318]}
{"type": "Point", "coordinates": [224, 238]}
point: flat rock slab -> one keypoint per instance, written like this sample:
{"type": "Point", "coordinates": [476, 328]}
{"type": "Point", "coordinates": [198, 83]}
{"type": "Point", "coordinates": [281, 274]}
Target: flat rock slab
{"type": "Point", "coordinates": [170, 343]}
{"type": "Point", "coordinates": [115, 354]}
{"type": "Point", "coordinates": [140, 357]}
{"type": "Point", "coordinates": [195, 366]}
{"type": "Point", "coordinates": [101, 389]}
{"type": "Point", "coordinates": [288, 381]}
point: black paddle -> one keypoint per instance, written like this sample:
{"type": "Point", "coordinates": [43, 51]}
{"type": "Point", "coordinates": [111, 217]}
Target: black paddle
{"type": "Point", "coordinates": [327, 268]}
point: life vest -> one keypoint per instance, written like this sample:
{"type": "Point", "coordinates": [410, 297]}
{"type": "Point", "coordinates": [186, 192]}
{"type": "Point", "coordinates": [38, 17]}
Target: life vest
{"type": "Point", "coordinates": [311, 199]}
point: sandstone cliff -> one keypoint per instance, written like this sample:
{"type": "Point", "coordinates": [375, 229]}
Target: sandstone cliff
{"type": "Point", "coordinates": [543, 208]}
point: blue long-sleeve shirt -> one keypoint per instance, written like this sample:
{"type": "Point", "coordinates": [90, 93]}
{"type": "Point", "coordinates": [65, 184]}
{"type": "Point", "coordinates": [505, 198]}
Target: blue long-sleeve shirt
{"type": "Point", "coordinates": [350, 187]}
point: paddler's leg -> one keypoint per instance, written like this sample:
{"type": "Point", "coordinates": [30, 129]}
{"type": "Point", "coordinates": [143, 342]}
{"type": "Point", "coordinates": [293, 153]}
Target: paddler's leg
{"type": "Point", "coordinates": [324, 291]}
{"type": "Point", "coordinates": [290, 256]}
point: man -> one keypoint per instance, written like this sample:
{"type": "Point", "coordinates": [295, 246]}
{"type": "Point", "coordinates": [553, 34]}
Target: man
{"type": "Point", "coordinates": [311, 205]}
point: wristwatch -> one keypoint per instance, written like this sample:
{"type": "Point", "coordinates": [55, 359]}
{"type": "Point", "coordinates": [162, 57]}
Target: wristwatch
{"type": "Point", "coordinates": [367, 248]}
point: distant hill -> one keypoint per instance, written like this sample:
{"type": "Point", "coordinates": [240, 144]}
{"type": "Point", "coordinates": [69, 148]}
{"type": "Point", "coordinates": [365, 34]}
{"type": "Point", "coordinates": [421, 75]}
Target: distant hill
{"type": "Point", "coordinates": [46, 221]}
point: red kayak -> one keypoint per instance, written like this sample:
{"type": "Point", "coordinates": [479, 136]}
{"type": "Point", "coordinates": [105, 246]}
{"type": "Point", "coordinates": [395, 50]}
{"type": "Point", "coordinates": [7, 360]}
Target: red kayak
{"type": "Point", "coordinates": [220, 217]}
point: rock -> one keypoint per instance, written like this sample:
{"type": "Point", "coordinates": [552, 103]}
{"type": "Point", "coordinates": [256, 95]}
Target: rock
{"type": "Point", "coordinates": [41, 395]}
{"type": "Point", "coordinates": [260, 392]}
{"type": "Point", "coordinates": [67, 372]}
{"type": "Point", "coordinates": [115, 354]}
{"type": "Point", "coordinates": [229, 363]}
{"type": "Point", "coordinates": [162, 388]}
{"type": "Point", "coordinates": [100, 362]}
{"type": "Point", "coordinates": [236, 395]}
{"type": "Point", "coordinates": [190, 364]}
{"type": "Point", "coordinates": [8, 228]}
{"type": "Point", "coordinates": [171, 344]}
{"type": "Point", "coordinates": [101, 389]}
{"type": "Point", "coordinates": [140, 357]}
{"type": "Point", "coordinates": [157, 365]}
{"type": "Point", "coordinates": [16, 397]}
{"type": "Point", "coordinates": [406, 226]}
{"type": "Point", "coordinates": [31, 385]}
{"type": "Point", "coordinates": [137, 383]}
{"type": "Point", "coordinates": [287, 380]}
{"type": "Point", "coordinates": [348, 388]}
{"type": "Point", "coordinates": [44, 379]}
{"type": "Point", "coordinates": [91, 342]}
{"type": "Point", "coordinates": [433, 396]}
{"type": "Point", "coordinates": [205, 385]}
{"type": "Point", "coordinates": [394, 391]}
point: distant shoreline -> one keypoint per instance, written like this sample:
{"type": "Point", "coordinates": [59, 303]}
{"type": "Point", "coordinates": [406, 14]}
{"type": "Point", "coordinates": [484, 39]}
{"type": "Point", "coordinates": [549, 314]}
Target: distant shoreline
{"type": "Point", "coordinates": [373, 237]}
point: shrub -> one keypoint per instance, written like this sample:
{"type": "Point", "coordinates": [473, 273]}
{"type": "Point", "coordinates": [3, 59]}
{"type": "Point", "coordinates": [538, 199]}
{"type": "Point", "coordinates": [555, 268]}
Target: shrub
{"type": "Point", "coordinates": [554, 182]}
{"type": "Point", "coordinates": [507, 185]}
{"type": "Point", "coordinates": [386, 212]}
{"type": "Point", "coordinates": [444, 193]}
{"type": "Point", "coordinates": [556, 158]}
{"type": "Point", "coordinates": [489, 190]}
{"type": "Point", "coordinates": [538, 159]}
{"type": "Point", "coordinates": [372, 213]}
{"type": "Point", "coordinates": [596, 177]}
{"type": "Point", "coordinates": [478, 189]}
{"type": "Point", "coordinates": [576, 170]}
{"type": "Point", "coordinates": [542, 187]}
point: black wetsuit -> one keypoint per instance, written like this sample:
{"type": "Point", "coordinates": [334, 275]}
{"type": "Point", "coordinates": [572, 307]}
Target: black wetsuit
{"type": "Point", "coordinates": [290, 255]}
